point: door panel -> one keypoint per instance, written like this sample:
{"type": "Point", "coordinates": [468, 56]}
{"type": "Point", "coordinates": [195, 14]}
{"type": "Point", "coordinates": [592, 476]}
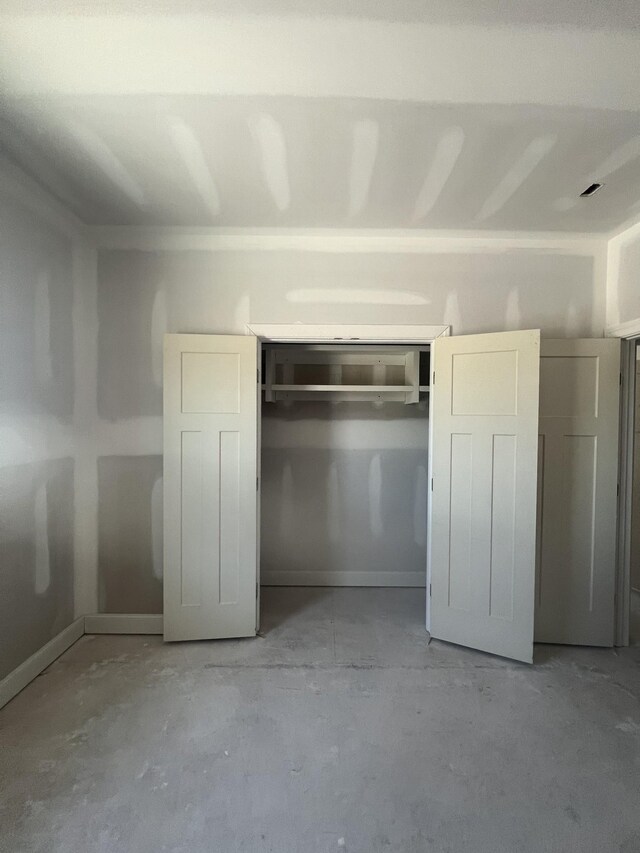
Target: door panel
{"type": "Point", "coordinates": [579, 412]}
{"type": "Point", "coordinates": [210, 496]}
{"type": "Point", "coordinates": [485, 394]}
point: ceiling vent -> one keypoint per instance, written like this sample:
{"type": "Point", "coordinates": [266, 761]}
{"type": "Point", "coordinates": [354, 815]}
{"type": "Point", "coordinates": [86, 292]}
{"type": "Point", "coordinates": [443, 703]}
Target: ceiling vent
{"type": "Point", "coordinates": [590, 190]}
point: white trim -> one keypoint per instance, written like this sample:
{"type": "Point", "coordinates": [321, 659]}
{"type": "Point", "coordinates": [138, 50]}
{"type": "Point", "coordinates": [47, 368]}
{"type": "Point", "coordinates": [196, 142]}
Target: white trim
{"type": "Point", "coordinates": [367, 240]}
{"type": "Point", "coordinates": [363, 333]}
{"type": "Point", "coordinates": [374, 579]}
{"type": "Point", "coordinates": [39, 661]}
{"type": "Point", "coordinates": [123, 623]}
{"type": "Point", "coordinates": [627, 438]}
{"type": "Point", "coordinates": [629, 329]}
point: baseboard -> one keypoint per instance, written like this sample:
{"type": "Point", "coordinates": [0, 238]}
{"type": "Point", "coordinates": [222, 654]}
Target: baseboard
{"type": "Point", "coordinates": [123, 623]}
{"type": "Point", "coordinates": [401, 579]}
{"type": "Point", "coordinates": [39, 661]}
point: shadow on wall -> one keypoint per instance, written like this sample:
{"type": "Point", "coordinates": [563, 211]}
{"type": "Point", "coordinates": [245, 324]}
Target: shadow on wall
{"type": "Point", "coordinates": [36, 556]}
{"type": "Point", "coordinates": [130, 534]}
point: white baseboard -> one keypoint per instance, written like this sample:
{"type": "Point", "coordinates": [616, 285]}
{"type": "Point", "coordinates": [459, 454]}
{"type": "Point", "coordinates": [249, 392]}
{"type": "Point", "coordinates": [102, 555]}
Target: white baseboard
{"type": "Point", "coordinates": [151, 623]}
{"type": "Point", "coordinates": [123, 623]}
{"type": "Point", "coordinates": [40, 660]}
{"type": "Point", "coordinates": [402, 579]}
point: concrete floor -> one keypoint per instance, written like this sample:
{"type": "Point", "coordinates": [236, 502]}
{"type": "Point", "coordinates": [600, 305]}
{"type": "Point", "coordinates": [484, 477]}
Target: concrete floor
{"type": "Point", "coordinates": [340, 729]}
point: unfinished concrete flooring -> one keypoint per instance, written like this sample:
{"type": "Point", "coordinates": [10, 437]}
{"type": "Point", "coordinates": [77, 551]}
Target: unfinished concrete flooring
{"type": "Point", "coordinates": [340, 729]}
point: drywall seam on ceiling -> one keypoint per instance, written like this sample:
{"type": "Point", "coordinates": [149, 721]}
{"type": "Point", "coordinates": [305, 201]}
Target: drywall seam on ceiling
{"type": "Point", "coordinates": [316, 240]}
{"type": "Point", "coordinates": [445, 157]}
{"type": "Point", "coordinates": [190, 151]}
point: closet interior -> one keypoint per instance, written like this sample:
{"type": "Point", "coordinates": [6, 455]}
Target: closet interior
{"type": "Point", "coordinates": [344, 465]}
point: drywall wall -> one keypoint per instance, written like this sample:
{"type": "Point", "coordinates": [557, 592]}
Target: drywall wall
{"type": "Point", "coordinates": [177, 282]}
{"type": "Point", "coordinates": [130, 542]}
{"type": "Point", "coordinates": [39, 249]}
{"type": "Point", "coordinates": [623, 278]}
{"type": "Point", "coordinates": [344, 492]}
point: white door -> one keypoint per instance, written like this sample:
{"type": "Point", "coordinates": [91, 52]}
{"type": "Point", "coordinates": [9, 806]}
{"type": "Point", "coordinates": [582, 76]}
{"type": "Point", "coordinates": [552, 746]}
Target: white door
{"type": "Point", "coordinates": [210, 486]}
{"type": "Point", "coordinates": [578, 477]}
{"type": "Point", "coordinates": [484, 449]}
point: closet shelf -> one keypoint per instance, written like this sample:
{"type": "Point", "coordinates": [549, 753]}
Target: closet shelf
{"type": "Point", "coordinates": [344, 372]}
{"type": "Point", "coordinates": [346, 388]}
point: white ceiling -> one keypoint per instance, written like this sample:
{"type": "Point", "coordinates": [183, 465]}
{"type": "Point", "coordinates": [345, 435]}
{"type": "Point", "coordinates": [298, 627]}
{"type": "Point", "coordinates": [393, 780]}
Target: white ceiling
{"type": "Point", "coordinates": [283, 117]}
{"type": "Point", "coordinates": [585, 14]}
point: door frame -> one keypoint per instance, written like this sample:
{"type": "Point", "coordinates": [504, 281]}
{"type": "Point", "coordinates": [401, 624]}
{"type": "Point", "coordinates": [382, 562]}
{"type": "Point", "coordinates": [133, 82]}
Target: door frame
{"type": "Point", "coordinates": [305, 333]}
{"type": "Point", "coordinates": [630, 334]}
{"type": "Point", "coordinates": [308, 333]}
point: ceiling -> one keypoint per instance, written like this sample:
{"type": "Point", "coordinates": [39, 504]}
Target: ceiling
{"type": "Point", "coordinates": [285, 117]}
{"type": "Point", "coordinates": [584, 14]}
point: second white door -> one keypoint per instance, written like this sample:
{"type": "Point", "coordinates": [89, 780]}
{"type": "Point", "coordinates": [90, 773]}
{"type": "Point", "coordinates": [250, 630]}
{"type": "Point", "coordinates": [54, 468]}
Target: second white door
{"type": "Point", "coordinates": [483, 460]}
{"type": "Point", "coordinates": [577, 499]}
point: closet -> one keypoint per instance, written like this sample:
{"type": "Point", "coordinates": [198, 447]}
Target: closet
{"type": "Point", "coordinates": [509, 442]}
{"type": "Point", "coordinates": [344, 442]}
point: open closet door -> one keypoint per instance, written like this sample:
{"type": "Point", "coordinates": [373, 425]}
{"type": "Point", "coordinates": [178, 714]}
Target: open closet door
{"type": "Point", "coordinates": [578, 483]}
{"type": "Point", "coordinates": [484, 450]}
{"type": "Point", "coordinates": [210, 486]}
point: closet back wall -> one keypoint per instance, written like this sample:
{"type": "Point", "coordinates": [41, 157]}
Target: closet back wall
{"type": "Point", "coordinates": [344, 493]}
{"type": "Point", "coordinates": [143, 293]}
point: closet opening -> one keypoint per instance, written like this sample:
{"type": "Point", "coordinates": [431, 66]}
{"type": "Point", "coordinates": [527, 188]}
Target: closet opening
{"type": "Point", "coordinates": [344, 478]}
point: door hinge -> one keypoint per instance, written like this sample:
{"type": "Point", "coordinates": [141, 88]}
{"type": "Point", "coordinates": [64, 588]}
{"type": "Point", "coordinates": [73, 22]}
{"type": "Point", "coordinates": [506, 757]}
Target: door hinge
{"type": "Point", "coordinates": [257, 483]}
{"type": "Point", "coordinates": [432, 484]}
{"type": "Point", "coordinates": [621, 380]}
{"type": "Point", "coordinates": [258, 372]}
{"type": "Point", "coordinates": [433, 380]}
{"type": "Point", "coordinates": [429, 590]}
{"type": "Point", "coordinates": [618, 490]}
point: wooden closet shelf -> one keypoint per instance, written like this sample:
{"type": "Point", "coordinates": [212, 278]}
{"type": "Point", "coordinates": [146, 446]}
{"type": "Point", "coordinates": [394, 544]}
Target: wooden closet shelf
{"type": "Point", "coordinates": [351, 388]}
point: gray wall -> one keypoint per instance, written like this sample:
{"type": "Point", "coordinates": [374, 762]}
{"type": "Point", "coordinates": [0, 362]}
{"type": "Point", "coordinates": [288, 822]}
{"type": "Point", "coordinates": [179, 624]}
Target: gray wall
{"type": "Point", "coordinates": [144, 293]}
{"type": "Point", "coordinates": [36, 431]}
{"type": "Point", "coordinates": [627, 283]}
{"type": "Point", "coordinates": [344, 489]}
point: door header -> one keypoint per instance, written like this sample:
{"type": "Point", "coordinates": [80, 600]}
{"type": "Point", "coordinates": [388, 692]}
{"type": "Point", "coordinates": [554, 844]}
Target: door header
{"type": "Point", "coordinates": [368, 334]}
